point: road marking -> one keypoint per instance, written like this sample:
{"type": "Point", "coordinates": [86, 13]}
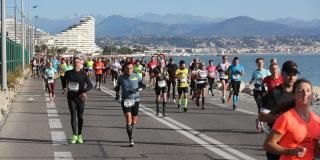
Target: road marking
{"type": "Point", "coordinates": [52, 113]}
{"type": "Point", "coordinates": [227, 106]}
{"type": "Point", "coordinates": [63, 156]}
{"type": "Point", "coordinates": [196, 136]}
{"type": "Point", "coordinates": [31, 95]}
{"type": "Point", "coordinates": [51, 105]}
{"type": "Point", "coordinates": [55, 123]}
{"type": "Point", "coordinates": [58, 138]}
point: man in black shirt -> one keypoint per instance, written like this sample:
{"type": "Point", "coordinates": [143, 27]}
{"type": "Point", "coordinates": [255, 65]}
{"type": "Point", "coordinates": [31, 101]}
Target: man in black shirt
{"type": "Point", "coordinates": [277, 101]}
{"type": "Point", "coordinates": [74, 83]}
{"type": "Point", "coordinates": [172, 68]}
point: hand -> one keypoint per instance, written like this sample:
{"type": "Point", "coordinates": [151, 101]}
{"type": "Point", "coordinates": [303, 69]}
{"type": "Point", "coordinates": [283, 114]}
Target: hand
{"type": "Point", "coordinates": [83, 96]}
{"type": "Point", "coordinates": [65, 90]}
{"type": "Point", "coordinates": [299, 151]}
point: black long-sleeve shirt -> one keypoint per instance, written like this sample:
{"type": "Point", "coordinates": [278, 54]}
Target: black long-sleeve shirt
{"type": "Point", "coordinates": [80, 78]}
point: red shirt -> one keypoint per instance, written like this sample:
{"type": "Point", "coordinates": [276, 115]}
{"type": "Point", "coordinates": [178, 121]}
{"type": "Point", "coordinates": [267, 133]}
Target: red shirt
{"type": "Point", "coordinates": [99, 66]}
{"type": "Point", "coordinates": [152, 64]}
{"type": "Point", "coordinates": [272, 83]}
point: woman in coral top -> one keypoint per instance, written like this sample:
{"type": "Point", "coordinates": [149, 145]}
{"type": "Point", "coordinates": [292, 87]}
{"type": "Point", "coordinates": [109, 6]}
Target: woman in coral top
{"type": "Point", "coordinates": [295, 132]}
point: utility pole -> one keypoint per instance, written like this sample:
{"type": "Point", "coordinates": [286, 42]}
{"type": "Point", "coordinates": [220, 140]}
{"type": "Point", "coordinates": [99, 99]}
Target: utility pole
{"type": "Point", "coordinates": [29, 31]}
{"type": "Point", "coordinates": [22, 35]}
{"type": "Point", "coordinates": [15, 23]}
{"type": "Point", "coordinates": [3, 46]}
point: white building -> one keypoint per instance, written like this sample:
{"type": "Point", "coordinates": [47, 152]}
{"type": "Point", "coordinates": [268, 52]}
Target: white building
{"type": "Point", "coordinates": [80, 37]}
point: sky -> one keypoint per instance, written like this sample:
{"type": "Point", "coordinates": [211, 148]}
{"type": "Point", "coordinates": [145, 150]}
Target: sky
{"type": "Point", "coordinates": [259, 9]}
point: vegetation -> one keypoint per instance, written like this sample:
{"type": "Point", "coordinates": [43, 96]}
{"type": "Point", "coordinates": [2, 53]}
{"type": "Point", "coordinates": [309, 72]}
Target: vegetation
{"type": "Point", "coordinates": [12, 76]}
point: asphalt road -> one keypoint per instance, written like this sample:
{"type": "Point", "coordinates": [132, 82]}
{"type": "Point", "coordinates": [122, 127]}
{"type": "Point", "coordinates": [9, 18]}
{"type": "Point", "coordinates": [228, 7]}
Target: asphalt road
{"type": "Point", "coordinates": [36, 129]}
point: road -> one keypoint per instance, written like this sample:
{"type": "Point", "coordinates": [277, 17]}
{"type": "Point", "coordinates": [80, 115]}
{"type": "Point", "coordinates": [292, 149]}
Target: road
{"type": "Point", "coordinates": [36, 129]}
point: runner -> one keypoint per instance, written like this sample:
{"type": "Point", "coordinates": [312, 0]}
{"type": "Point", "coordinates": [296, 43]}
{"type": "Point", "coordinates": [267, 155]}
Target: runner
{"type": "Point", "coordinates": [115, 68]}
{"type": "Point", "coordinates": [90, 63]}
{"type": "Point", "coordinates": [76, 84]}
{"type": "Point", "coordinates": [151, 65]}
{"type": "Point", "coordinates": [236, 72]}
{"type": "Point", "coordinates": [222, 69]}
{"type": "Point", "coordinates": [98, 67]}
{"type": "Point", "coordinates": [182, 76]}
{"type": "Point", "coordinates": [161, 75]}
{"type": "Point", "coordinates": [259, 89]}
{"type": "Point", "coordinates": [211, 75]}
{"type": "Point", "coordinates": [172, 80]}
{"type": "Point", "coordinates": [131, 84]}
{"type": "Point", "coordinates": [201, 82]}
{"type": "Point", "coordinates": [62, 71]}
{"type": "Point", "coordinates": [51, 74]}
{"type": "Point", "coordinates": [34, 65]}
{"type": "Point", "coordinates": [277, 100]}
{"type": "Point", "coordinates": [193, 76]}
{"type": "Point", "coordinates": [138, 69]}
{"type": "Point", "coordinates": [275, 79]}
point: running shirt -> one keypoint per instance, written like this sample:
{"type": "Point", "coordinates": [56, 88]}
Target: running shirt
{"type": "Point", "coordinates": [129, 86]}
{"type": "Point", "coordinates": [61, 69]}
{"type": "Point", "coordinates": [50, 74]}
{"type": "Point", "coordinates": [222, 69]}
{"type": "Point", "coordinates": [115, 66]}
{"type": "Point", "coordinates": [235, 72]}
{"type": "Point", "coordinates": [257, 78]}
{"type": "Point", "coordinates": [211, 71]}
{"type": "Point", "coordinates": [272, 83]}
{"type": "Point", "coordinates": [68, 68]}
{"type": "Point", "coordinates": [76, 83]}
{"type": "Point", "coordinates": [201, 77]}
{"type": "Point", "coordinates": [296, 132]}
{"type": "Point", "coordinates": [90, 64]}
{"type": "Point", "coordinates": [99, 66]}
{"type": "Point", "coordinates": [138, 69]}
{"type": "Point", "coordinates": [55, 63]}
{"type": "Point", "coordinates": [161, 79]}
{"type": "Point", "coordinates": [152, 65]}
{"type": "Point", "coordinates": [172, 68]}
{"type": "Point", "coordinates": [182, 76]}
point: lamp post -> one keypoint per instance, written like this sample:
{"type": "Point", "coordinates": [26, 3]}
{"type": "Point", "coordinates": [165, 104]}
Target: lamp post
{"type": "Point", "coordinates": [3, 45]}
{"type": "Point", "coordinates": [22, 35]}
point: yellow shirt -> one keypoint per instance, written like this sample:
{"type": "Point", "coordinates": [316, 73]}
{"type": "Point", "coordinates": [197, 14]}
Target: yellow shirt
{"type": "Point", "coordinates": [182, 76]}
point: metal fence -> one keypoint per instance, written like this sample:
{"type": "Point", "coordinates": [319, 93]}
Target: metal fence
{"type": "Point", "coordinates": [14, 56]}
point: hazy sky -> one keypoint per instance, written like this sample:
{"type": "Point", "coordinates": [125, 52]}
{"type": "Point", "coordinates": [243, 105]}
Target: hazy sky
{"type": "Point", "coordinates": [259, 9]}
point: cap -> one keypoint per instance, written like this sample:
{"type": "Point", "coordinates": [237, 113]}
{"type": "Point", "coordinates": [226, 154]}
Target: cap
{"type": "Point", "coordinates": [171, 59]}
{"type": "Point", "coordinates": [290, 67]}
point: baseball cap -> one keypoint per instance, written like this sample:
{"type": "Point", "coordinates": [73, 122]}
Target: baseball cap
{"type": "Point", "coordinates": [290, 67]}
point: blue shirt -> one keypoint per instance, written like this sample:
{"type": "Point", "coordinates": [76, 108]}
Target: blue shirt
{"type": "Point", "coordinates": [55, 63]}
{"type": "Point", "coordinates": [129, 86]}
{"type": "Point", "coordinates": [235, 72]}
{"type": "Point", "coordinates": [259, 75]}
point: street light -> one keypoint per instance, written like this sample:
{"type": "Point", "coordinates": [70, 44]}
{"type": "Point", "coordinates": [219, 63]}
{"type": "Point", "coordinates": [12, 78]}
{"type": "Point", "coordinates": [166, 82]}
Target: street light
{"type": "Point", "coordinates": [3, 45]}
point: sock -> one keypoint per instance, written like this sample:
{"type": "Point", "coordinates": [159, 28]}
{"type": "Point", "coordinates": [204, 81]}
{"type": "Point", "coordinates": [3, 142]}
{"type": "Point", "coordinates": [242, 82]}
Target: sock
{"type": "Point", "coordinates": [157, 106]}
{"type": "Point", "coordinates": [185, 102]}
{"type": "Point", "coordinates": [179, 101]}
{"type": "Point", "coordinates": [129, 131]}
{"type": "Point", "coordinates": [203, 100]}
{"type": "Point", "coordinates": [237, 99]}
{"type": "Point", "coordinates": [234, 100]}
{"type": "Point", "coordinates": [164, 107]}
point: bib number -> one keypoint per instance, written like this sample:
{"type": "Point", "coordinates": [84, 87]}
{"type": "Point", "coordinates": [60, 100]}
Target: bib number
{"type": "Point", "coordinates": [129, 103]}
{"type": "Point", "coordinates": [211, 74]}
{"type": "Point", "coordinates": [162, 84]}
{"type": "Point", "coordinates": [183, 80]}
{"type": "Point", "coordinates": [73, 86]}
{"type": "Point", "coordinates": [236, 76]}
{"type": "Point", "coordinates": [50, 80]}
{"type": "Point", "coordinates": [203, 74]}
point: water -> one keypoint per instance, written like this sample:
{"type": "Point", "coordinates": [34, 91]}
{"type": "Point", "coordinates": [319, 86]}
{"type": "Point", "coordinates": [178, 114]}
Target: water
{"type": "Point", "coordinates": [308, 65]}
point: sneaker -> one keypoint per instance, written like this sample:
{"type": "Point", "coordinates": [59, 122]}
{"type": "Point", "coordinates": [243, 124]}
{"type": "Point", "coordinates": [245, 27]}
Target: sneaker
{"type": "Point", "coordinates": [185, 109]}
{"type": "Point", "coordinates": [263, 130]}
{"type": "Point", "coordinates": [174, 101]}
{"type": "Point", "coordinates": [258, 126]}
{"type": "Point", "coordinates": [73, 139]}
{"type": "Point", "coordinates": [203, 107]}
{"type": "Point", "coordinates": [212, 94]}
{"type": "Point", "coordinates": [198, 102]}
{"type": "Point", "coordinates": [165, 114]}
{"type": "Point", "coordinates": [131, 142]}
{"type": "Point", "coordinates": [234, 107]}
{"type": "Point", "coordinates": [223, 100]}
{"type": "Point", "coordinates": [80, 139]}
{"type": "Point", "coordinates": [157, 114]}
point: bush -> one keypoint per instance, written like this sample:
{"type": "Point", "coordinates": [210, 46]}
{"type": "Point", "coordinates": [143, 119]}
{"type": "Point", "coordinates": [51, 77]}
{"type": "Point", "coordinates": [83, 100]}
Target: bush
{"type": "Point", "coordinates": [12, 76]}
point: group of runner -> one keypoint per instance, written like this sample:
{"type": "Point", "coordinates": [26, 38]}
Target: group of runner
{"type": "Point", "coordinates": [273, 92]}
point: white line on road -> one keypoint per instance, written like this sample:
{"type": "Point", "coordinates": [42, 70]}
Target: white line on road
{"type": "Point", "coordinates": [63, 156]}
{"type": "Point", "coordinates": [52, 113]}
{"type": "Point", "coordinates": [55, 123]}
{"type": "Point", "coordinates": [200, 138]}
{"type": "Point", "coordinates": [58, 138]}
{"type": "Point", "coordinates": [51, 105]}
{"type": "Point", "coordinates": [226, 106]}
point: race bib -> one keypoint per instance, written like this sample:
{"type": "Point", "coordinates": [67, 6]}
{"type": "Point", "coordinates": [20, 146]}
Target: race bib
{"type": "Point", "coordinates": [162, 84]}
{"type": "Point", "coordinates": [50, 80]}
{"type": "Point", "coordinates": [236, 76]}
{"type": "Point", "coordinates": [211, 74]}
{"type": "Point", "coordinates": [183, 80]}
{"type": "Point", "coordinates": [73, 86]}
{"type": "Point", "coordinates": [98, 67]}
{"type": "Point", "coordinates": [129, 102]}
{"type": "Point", "coordinates": [223, 75]}
{"type": "Point", "coordinates": [34, 68]}
{"type": "Point", "coordinates": [203, 75]}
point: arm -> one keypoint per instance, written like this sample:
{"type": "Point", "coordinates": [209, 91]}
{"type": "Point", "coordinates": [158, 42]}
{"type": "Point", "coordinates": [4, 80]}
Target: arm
{"type": "Point", "coordinates": [89, 84]}
{"type": "Point", "coordinates": [65, 79]}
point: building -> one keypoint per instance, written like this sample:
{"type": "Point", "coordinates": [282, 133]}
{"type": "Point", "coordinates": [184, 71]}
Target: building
{"type": "Point", "coordinates": [80, 37]}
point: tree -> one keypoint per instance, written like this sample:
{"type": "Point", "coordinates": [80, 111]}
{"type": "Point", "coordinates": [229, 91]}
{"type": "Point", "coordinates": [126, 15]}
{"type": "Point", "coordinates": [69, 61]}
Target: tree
{"type": "Point", "coordinates": [62, 50]}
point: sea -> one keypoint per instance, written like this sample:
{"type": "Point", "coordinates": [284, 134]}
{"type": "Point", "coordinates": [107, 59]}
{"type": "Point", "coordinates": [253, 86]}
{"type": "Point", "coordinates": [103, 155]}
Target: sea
{"type": "Point", "coordinates": [308, 64]}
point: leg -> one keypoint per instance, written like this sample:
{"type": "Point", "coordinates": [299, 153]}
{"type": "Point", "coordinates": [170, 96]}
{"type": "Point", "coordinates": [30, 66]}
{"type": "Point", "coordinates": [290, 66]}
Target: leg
{"type": "Point", "coordinates": [80, 110]}
{"type": "Point", "coordinates": [169, 87]}
{"type": "Point", "coordinates": [73, 109]}
{"type": "Point", "coordinates": [174, 83]}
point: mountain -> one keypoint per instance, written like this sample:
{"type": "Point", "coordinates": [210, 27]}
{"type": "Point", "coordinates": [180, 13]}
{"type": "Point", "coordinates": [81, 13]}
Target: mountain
{"type": "Point", "coordinates": [177, 19]}
{"type": "Point", "coordinates": [246, 26]}
{"type": "Point", "coordinates": [297, 23]}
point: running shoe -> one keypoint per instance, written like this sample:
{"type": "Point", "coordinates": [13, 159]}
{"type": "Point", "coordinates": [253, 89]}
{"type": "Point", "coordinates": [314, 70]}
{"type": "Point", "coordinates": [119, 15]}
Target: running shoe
{"type": "Point", "coordinates": [223, 100]}
{"type": "Point", "coordinates": [131, 142]}
{"type": "Point", "coordinates": [80, 139]}
{"type": "Point", "coordinates": [185, 109]}
{"type": "Point", "coordinates": [73, 139]}
{"type": "Point", "coordinates": [165, 114]}
{"type": "Point", "coordinates": [174, 101]}
{"type": "Point", "coordinates": [234, 107]}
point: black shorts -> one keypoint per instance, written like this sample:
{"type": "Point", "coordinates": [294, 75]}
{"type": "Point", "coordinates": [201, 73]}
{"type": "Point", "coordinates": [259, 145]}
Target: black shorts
{"type": "Point", "coordinates": [134, 110]}
{"type": "Point", "coordinates": [114, 74]}
{"type": "Point", "coordinates": [182, 90]}
{"type": "Point", "coordinates": [201, 85]}
{"type": "Point", "coordinates": [223, 79]}
{"type": "Point", "coordinates": [159, 90]}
